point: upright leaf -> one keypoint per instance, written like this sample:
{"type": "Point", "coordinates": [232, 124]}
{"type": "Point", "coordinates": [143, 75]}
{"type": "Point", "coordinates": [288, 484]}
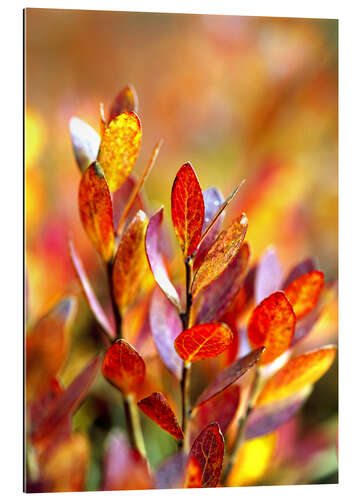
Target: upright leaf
{"type": "Point", "coordinates": [203, 341]}
{"type": "Point", "coordinates": [221, 254]}
{"type": "Point", "coordinates": [306, 266]}
{"type": "Point", "coordinates": [85, 142]}
{"type": "Point", "coordinates": [158, 409]}
{"type": "Point", "coordinates": [96, 211]}
{"type": "Point", "coordinates": [272, 324]}
{"type": "Point", "coordinates": [304, 292]}
{"type": "Point", "coordinates": [268, 276]}
{"type": "Point", "coordinates": [208, 450]}
{"type": "Point", "coordinates": [119, 148]}
{"type": "Point", "coordinates": [193, 476]}
{"type": "Point", "coordinates": [125, 101]}
{"type": "Point", "coordinates": [187, 209]}
{"type": "Point", "coordinates": [121, 197]}
{"type": "Point", "coordinates": [123, 367]}
{"type": "Point", "coordinates": [130, 264]}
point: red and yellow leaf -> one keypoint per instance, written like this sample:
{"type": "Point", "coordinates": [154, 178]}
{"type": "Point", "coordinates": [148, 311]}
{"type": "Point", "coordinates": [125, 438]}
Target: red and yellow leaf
{"type": "Point", "coordinates": [187, 209]}
{"type": "Point", "coordinates": [304, 292]}
{"type": "Point", "coordinates": [203, 341]}
{"type": "Point", "coordinates": [158, 409]}
{"type": "Point", "coordinates": [119, 148]}
{"type": "Point", "coordinates": [193, 477]}
{"type": "Point", "coordinates": [272, 324]}
{"type": "Point", "coordinates": [124, 367]}
{"type": "Point", "coordinates": [299, 372]}
{"type": "Point", "coordinates": [221, 254]}
{"type": "Point", "coordinates": [130, 264]}
{"type": "Point", "coordinates": [125, 101]}
{"type": "Point", "coordinates": [96, 211]}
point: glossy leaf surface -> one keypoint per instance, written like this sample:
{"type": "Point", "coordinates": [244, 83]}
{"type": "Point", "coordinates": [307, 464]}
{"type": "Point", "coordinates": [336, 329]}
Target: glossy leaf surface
{"type": "Point", "coordinates": [158, 409]}
{"type": "Point", "coordinates": [85, 142]}
{"type": "Point", "coordinates": [304, 292]}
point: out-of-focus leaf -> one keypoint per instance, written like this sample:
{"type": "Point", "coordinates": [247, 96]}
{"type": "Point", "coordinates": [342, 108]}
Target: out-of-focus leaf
{"type": "Point", "coordinates": [96, 211]}
{"type": "Point", "coordinates": [171, 473]}
{"type": "Point", "coordinates": [89, 294]}
{"type": "Point", "coordinates": [125, 101]}
{"type": "Point", "coordinates": [165, 326]}
{"type": "Point", "coordinates": [272, 324]}
{"type": "Point", "coordinates": [221, 409]}
{"type": "Point", "coordinates": [269, 275]}
{"type": "Point", "coordinates": [208, 449]}
{"type": "Point", "coordinates": [194, 474]}
{"type": "Point", "coordinates": [212, 198]}
{"type": "Point", "coordinates": [215, 299]}
{"type": "Point", "coordinates": [152, 247]}
{"type": "Point", "coordinates": [267, 418]}
{"type": "Point", "coordinates": [85, 142]}
{"type": "Point", "coordinates": [203, 341]}
{"type": "Point", "coordinates": [158, 409]}
{"type": "Point", "coordinates": [230, 375]}
{"type": "Point", "coordinates": [47, 347]}
{"type": "Point", "coordinates": [304, 292]}
{"type": "Point", "coordinates": [123, 467]}
{"type": "Point", "coordinates": [299, 372]}
{"type": "Point", "coordinates": [130, 264]}
{"type": "Point", "coordinates": [187, 209]}
{"type": "Point", "coordinates": [221, 254]}
{"type": "Point", "coordinates": [123, 367]}
{"type": "Point", "coordinates": [119, 148]}
{"type": "Point", "coordinates": [120, 199]}
{"type": "Point", "coordinates": [306, 266]}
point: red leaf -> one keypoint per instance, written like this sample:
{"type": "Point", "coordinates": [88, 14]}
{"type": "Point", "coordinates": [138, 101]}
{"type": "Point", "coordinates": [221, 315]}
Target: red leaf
{"type": "Point", "coordinates": [85, 142]}
{"type": "Point", "coordinates": [304, 292]}
{"type": "Point", "coordinates": [208, 449]}
{"type": "Point", "coordinates": [158, 409]}
{"type": "Point", "coordinates": [203, 341]}
{"type": "Point", "coordinates": [125, 101]}
{"type": "Point", "coordinates": [306, 266]}
{"type": "Point", "coordinates": [193, 477]}
{"type": "Point", "coordinates": [187, 209]}
{"type": "Point", "coordinates": [268, 275]}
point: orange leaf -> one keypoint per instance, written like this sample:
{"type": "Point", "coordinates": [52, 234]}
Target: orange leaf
{"type": "Point", "coordinates": [123, 367]}
{"type": "Point", "coordinates": [208, 449]}
{"type": "Point", "coordinates": [96, 211]}
{"type": "Point", "coordinates": [119, 148]}
{"type": "Point", "coordinates": [158, 409]}
{"type": "Point", "coordinates": [203, 341]}
{"type": "Point", "coordinates": [299, 372]}
{"type": "Point", "coordinates": [193, 478]}
{"type": "Point", "coordinates": [272, 324]}
{"type": "Point", "coordinates": [221, 254]}
{"type": "Point", "coordinates": [187, 209]}
{"type": "Point", "coordinates": [130, 264]}
{"type": "Point", "coordinates": [126, 100]}
{"type": "Point", "coordinates": [304, 292]}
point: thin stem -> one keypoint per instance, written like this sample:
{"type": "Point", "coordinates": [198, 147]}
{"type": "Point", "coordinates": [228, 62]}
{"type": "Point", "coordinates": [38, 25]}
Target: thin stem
{"type": "Point", "coordinates": [116, 312]}
{"type": "Point", "coordinates": [135, 433]}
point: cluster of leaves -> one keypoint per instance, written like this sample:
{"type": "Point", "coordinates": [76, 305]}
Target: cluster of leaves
{"type": "Point", "coordinates": [224, 305]}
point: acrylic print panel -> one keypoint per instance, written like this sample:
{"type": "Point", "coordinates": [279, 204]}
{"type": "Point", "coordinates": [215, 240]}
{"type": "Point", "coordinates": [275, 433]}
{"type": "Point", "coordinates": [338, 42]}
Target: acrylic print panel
{"type": "Point", "coordinates": [180, 332]}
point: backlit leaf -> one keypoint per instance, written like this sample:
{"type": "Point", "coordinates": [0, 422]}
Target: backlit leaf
{"type": "Point", "coordinates": [203, 341]}
{"type": "Point", "coordinates": [304, 292]}
{"type": "Point", "coordinates": [272, 324]}
{"type": "Point", "coordinates": [165, 325]}
{"type": "Point", "coordinates": [123, 367]}
{"type": "Point", "coordinates": [268, 275]}
{"type": "Point", "coordinates": [153, 253]}
{"type": "Point", "coordinates": [299, 372]}
{"type": "Point", "coordinates": [125, 101]}
{"type": "Point", "coordinates": [221, 254]}
{"type": "Point", "coordinates": [193, 477]}
{"type": "Point", "coordinates": [208, 449]}
{"type": "Point", "coordinates": [119, 148]}
{"type": "Point", "coordinates": [85, 142]}
{"type": "Point", "coordinates": [130, 264]}
{"type": "Point", "coordinates": [158, 409]}
{"type": "Point", "coordinates": [306, 266]}
{"type": "Point", "coordinates": [187, 209]}
{"type": "Point", "coordinates": [96, 211]}
{"type": "Point", "coordinates": [230, 375]}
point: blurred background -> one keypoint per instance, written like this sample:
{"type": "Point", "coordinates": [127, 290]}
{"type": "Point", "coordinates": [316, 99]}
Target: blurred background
{"type": "Point", "coordinates": [239, 97]}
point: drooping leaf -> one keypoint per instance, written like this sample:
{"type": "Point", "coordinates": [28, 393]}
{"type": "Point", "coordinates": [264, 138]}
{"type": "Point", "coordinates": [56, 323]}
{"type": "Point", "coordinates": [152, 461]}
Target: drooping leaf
{"type": "Point", "coordinates": [125, 101]}
{"type": "Point", "coordinates": [272, 324]}
{"type": "Point", "coordinates": [153, 253]}
{"type": "Point", "coordinates": [89, 294]}
{"type": "Point", "coordinates": [85, 142]}
{"type": "Point", "coordinates": [130, 264]}
{"type": "Point", "coordinates": [165, 326]}
{"type": "Point", "coordinates": [171, 473]}
{"type": "Point", "coordinates": [203, 341]}
{"type": "Point", "coordinates": [123, 367]}
{"type": "Point", "coordinates": [119, 148]}
{"type": "Point", "coordinates": [304, 292]}
{"type": "Point", "coordinates": [306, 266]}
{"type": "Point", "coordinates": [193, 477]}
{"type": "Point", "coordinates": [221, 254]}
{"type": "Point", "coordinates": [269, 275]}
{"type": "Point", "coordinates": [230, 375]}
{"type": "Point", "coordinates": [187, 209]}
{"type": "Point", "coordinates": [47, 347]}
{"type": "Point", "coordinates": [158, 409]}
{"type": "Point", "coordinates": [213, 301]}
{"type": "Point", "coordinates": [96, 211]}
{"type": "Point", "coordinates": [208, 449]}
{"type": "Point", "coordinates": [299, 372]}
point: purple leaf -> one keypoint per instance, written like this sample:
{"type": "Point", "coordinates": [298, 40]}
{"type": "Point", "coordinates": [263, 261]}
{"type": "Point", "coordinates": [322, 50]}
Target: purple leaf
{"type": "Point", "coordinates": [306, 266]}
{"type": "Point", "coordinates": [268, 275]}
{"type": "Point", "coordinates": [171, 473]}
{"type": "Point", "coordinates": [85, 142]}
